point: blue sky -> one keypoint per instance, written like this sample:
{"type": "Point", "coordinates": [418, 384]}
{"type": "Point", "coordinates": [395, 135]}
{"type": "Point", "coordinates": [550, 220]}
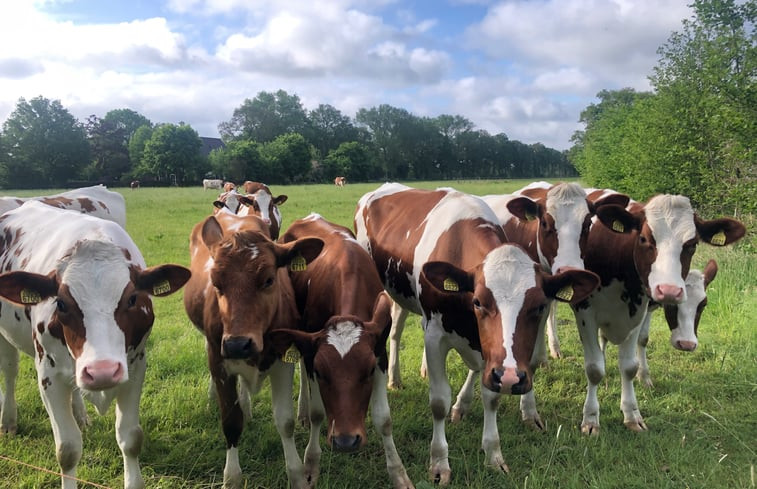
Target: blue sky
{"type": "Point", "coordinates": [525, 68]}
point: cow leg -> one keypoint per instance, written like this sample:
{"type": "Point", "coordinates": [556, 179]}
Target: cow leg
{"type": "Point", "coordinates": [316, 414]}
{"type": "Point", "coordinates": [128, 431]}
{"type": "Point", "coordinates": [440, 396]}
{"type": "Point", "coordinates": [399, 316]}
{"type": "Point", "coordinates": [382, 421]}
{"type": "Point", "coordinates": [490, 439]}
{"type": "Point", "coordinates": [232, 419]}
{"type": "Point", "coordinates": [303, 409]}
{"type": "Point", "coordinates": [9, 368]}
{"type": "Point", "coordinates": [554, 341]}
{"type": "Point", "coordinates": [628, 366]}
{"type": "Point", "coordinates": [80, 410]}
{"type": "Point", "coordinates": [464, 400]}
{"type": "Point", "coordinates": [282, 376]}
{"type": "Point", "coordinates": [641, 351]}
{"type": "Point", "coordinates": [528, 412]}
{"type": "Point", "coordinates": [594, 366]}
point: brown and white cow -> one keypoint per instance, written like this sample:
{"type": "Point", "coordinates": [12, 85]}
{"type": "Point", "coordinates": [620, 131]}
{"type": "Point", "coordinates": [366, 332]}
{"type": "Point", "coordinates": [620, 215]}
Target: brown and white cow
{"type": "Point", "coordinates": [340, 181]}
{"type": "Point", "coordinates": [346, 317]}
{"type": "Point", "coordinates": [212, 183]}
{"type": "Point", "coordinates": [239, 291]}
{"type": "Point", "coordinates": [644, 255]}
{"type": "Point", "coordinates": [96, 200]}
{"type": "Point", "coordinates": [229, 186]}
{"type": "Point", "coordinates": [79, 302]}
{"type": "Point", "coordinates": [134, 185]}
{"type": "Point", "coordinates": [258, 199]}
{"type": "Point", "coordinates": [442, 254]}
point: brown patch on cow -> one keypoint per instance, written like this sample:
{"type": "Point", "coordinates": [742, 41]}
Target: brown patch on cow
{"type": "Point", "coordinates": [38, 348]}
{"type": "Point", "coordinates": [126, 253]}
{"type": "Point", "coordinates": [59, 202]}
{"type": "Point", "coordinates": [134, 315]}
{"type": "Point", "coordinates": [71, 322]}
{"type": "Point", "coordinates": [41, 327]}
{"type": "Point", "coordinates": [46, 382]}
{"type": "Point", "coordinates": [51, 360]}
{"type": "Point", "coordinates": [28, 313]}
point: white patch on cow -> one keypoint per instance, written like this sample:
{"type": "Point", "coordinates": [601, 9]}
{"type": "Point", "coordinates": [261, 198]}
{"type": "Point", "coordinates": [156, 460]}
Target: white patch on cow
{"type": "Point", "coordinates": [671, 219]}
{"type": "Point", "coordinates": [313, 216]}
{"type": "Point", "coordinates": [209, 264]}
{"type": "Point", "coordinates": [145, 310]}
{"type": "Point", "coordinates": [566, 203]}
{"type": "Point", "coordinates": [254, 251]}
{"type": "Point", "coordinates": [509, 273]}
{"type": "Point", "coordinates": [264, 201]}
{"type": "Point", "coordinates": [232, 226]}
{"type": "Point", "coordinates": [687, 311]}
{"type": "Point", "coordinates": [343, 336]}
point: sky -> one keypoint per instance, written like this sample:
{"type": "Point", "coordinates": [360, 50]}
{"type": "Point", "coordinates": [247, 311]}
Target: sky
{"type": "Point", "coordinates": [526, 68]}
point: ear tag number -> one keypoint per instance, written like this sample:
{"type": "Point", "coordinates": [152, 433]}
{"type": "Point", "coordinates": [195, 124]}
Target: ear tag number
{"type": "Point", "coordinates": [298, 264]}
{"type": "Point", "coordinates": [161, 288]}
{"type": "Point", "coordinates": [292, 355]}
{"type": "Point", "coordinates": [566, 293]}
{"type": "Point", "coordinates": [451, 285]}
{"type": "Point", "coordinates": [29, 296]}
{"type": "Point", "coordinates": [718, 239]}
{"type": "Point", "coordinates": [617, 226]}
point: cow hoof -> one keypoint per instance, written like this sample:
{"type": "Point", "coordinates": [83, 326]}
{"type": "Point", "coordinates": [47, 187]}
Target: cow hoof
{"type": "Point", "coordinates": [556, 353]}
{"type": "Point", "coordinates": [499, 465]}
{"type": "Point", "coordinates": [423, 373]}
{"type": "Point", "coordinates": [8, 430]}
{"type": "Point", "coordinates": [590, 429]}
{"type": "Point", "coordinates": [456, 415]}
{"type": "Point", "coordinates": [535, 422]}
{"type": "Point", "coordinates": [394, 385]}
{"type": "Point", "coordinates": [645, 380]}
{"type": "Point", "coordinates": [441, 477]}
{"type": "Point", "coordinates": [636, 425]}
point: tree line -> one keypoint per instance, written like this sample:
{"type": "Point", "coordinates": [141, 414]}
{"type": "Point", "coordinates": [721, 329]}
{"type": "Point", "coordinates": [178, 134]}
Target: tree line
{"type": "Point", "coordinates": [271, 138]}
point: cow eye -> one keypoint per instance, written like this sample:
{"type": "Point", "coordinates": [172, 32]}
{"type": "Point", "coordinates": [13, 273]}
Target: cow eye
{"type": "Point", "coordinates": [268, 282]}
{"type": "Point", "coordinates": [62, 307]}
{"type": "Point", "coordinates": [476, 303]}
{"type": "Point", "coordinates": [132, 300]}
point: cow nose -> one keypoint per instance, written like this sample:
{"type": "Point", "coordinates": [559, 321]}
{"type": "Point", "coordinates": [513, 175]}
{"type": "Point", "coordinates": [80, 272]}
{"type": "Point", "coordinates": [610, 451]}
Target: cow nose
{"type": "Point", "coordinates": [686, 345]}
{"type": "Point", "coordinates": [236, 347]}
{"type": "Point", "coordinates": [102, 374]}
{"type": "Point", "coordinates": [506, 377]}
{"type": "Point", "coordinates": [668, 294]}
{"type": "Point", "coordinates": [346, 443]}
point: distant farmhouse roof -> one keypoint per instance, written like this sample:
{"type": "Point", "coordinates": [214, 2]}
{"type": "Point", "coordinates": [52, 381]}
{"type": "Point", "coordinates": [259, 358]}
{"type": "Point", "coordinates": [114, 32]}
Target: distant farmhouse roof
{"type": "Point", "coordinates": [209, 144]}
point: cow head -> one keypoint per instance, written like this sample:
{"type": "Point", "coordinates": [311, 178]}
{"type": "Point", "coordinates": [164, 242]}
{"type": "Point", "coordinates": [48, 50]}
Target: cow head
{"type": "Point", "coordinates": [97, 304]}
{"type": "Point", "coordinates": [564, 218]}
{"type": "Point", "coordinates": [667, 231]}
{"type": "Point", "coordinates": [259, 200]}
{"type": "Point", "coordinates": [248, 276]}
{"type": "Point", "coordinates": [683, 319]}
{"type": "Point", "coordinates": [508, 294]}
{"type": "Point", "coordinates": [348, 360]}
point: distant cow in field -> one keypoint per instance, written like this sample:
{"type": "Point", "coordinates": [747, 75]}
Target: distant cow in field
{"type": "Point", "coordinates": [134, 184]}
{"type": "Point", "coordinates": [96, 200]}
{"type": "Point", "coordinates": [347, 321]}
{"type": "Point", "coordinates": [340, 181]}
{"type": "Point", "coordinates": [79, 301]}
{"type": "Point", "coordinates": [239, 291]}
{"type": "Point", "coordinates": [212, 184]}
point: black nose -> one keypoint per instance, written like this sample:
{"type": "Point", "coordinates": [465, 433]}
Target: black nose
{"type": "Point", "coordinates": [237, 347]}
{"type": "Point", "coordinates": [521, 387]}
{"type": "Point", "coordinates": [497, 377]}
{"type": "Point", "coordinates": [346, 443]}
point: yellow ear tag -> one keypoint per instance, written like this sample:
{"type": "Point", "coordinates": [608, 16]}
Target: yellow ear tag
{"type": "Point", "coordinates": [618, 227]}
{"type": "Point", "coordinates": [718, 239]}
{"type": "Point", "coordinates": [292, 355]}
{"type": "Point", "coordinates": [298, 264]}
{"type": "Point", "coordinates": [451, 285]}
{"type": "Point", "coordinates": [161, 288]}
{"type": "Point", "coordinates": [29, 296]}
{"type": "Point", "coordinates": [566, 293]}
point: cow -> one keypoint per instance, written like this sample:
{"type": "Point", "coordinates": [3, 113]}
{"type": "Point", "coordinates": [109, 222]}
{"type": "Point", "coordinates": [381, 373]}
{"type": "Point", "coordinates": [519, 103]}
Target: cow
{"type": "Point", "coordinates": [643, 256]}
{"type": "Point", "coordinates": [229, 186]}
{"type": "Point", "coordinates": [134, 185]}
{"type": "Point", "coordinates": [96, 200]}
{"type": "Point", "coordinates": [76, 296]}
{"type": "Point", "coordinates": [340, 181]}
{"type": "Point", "coordinates": [259, 200]}
{"type": "Point", "coordinates": [346, 319]}
{"type": "Point", "coordinates": [239, 291]}
{"type": "Point", "coordinates": [212, 183]}
{"type": "Point", "coordinates": [442, 254]}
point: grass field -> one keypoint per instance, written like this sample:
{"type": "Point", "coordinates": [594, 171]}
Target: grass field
{"type": "Point", "coordinates": [700, 412]}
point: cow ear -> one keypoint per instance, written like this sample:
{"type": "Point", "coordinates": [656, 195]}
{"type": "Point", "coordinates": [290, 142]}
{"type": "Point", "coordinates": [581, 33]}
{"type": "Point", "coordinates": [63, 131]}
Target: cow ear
{"type": "Point", "coordinates": [381, 323]}
{"type": "Point", "coordinates": [246, 201]}
{"type": "Point", "coordinates": [612, 199]}
{"type": "Point", "coordinates": [280, 199]}
{"type": "Point", "coordinates": [212, 233]}
{"type": "Point", "coordinates": [572, 285]}
{"type": "Point", "coordinates": [525, 209]}
{"type": "Point", "coordinates": [709, 272]}
{"type": "Point", "coordinates": [219, 204]}
{"type": "Point", "coordinates": [618, 219]}
{"type": "Point", "coordinates": [289, 344]}
{"type": "Point", "coordinates": [26, 288]}
{"type": "Point", "coordinates": [447, 278]}
{"type": "Point", "coordinates": [719, 232]}
{"type": "Point", "coordinates": [298, 253]}
{"type": "Point", "coordinates": [162, 280]}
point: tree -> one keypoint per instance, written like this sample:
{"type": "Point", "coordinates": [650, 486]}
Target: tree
{"type": "Point", "coordinates": [238, 161]}
{"type": "Point", "coordinates": [266, 117]}
{"type": "Point", "coordinates": [127, 120]}
{"type": "Point", "coordinates": [44, 145]}
{"type": "Point", "coordinates": [110, 156]}
{"type": "Point", "coordinates": [352, 160]}
{"type": "Point", "coordinates": [137, 144]}
{"type": "Point", "coordinates": [330, 129]}
{"type": "Point", "coordinates": [286, 159]}
{"type": "Point", "coordinates": [173, 151]}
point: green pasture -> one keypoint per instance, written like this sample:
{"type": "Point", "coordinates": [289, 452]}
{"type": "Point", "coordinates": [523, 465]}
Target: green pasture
{"type": "Point", "coordinates": [701, 411]}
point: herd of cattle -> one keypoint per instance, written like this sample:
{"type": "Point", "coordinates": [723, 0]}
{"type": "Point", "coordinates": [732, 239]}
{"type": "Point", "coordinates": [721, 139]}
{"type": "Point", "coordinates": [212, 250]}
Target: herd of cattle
{"type": "Point", "coordinates": [484, 274]}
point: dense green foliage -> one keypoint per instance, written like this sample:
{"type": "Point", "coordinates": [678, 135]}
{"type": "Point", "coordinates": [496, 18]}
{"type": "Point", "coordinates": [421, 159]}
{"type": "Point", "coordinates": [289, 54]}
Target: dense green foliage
{"type": "Point", "coordinates": [697, 133]}
{"type": "Point", "coordinates": [700, 411]}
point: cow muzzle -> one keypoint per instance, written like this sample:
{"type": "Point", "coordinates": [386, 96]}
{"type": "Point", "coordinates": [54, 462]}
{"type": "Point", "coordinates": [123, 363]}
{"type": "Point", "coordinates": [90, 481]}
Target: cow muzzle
{"type": "Point", "coordinates": [239, 348]}
{"type": "Point", "coordinates": [101, 374]}
{"type": "Point", "coordinates": [668, 294]}
{"type": "Point", "coordinates": [508, 381]}
{"type": "Point", "coordinates": [347, 443]}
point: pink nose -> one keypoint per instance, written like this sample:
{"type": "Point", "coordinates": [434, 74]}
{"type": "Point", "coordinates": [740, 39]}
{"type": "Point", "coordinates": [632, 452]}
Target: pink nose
{"type": "Point", "coordinates": [686, 345]}
{"type": "Point", "coordinates": [266, 220]}
{"type": "Point", "coordinates": [668, 294]}
{"type": "Point", "coordinates": [102, 374]}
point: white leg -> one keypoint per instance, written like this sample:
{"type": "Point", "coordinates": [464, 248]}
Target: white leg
{"type": "Point", "coordinates": [80, 410]}
{"type": "Point", "coordinates": [465, 397]}
{"type": "Point", "coordinates": [528, 411]}
{"type": "Point", "coordinates": [128, 431]}
{"type": "Point", "coordinates": [382, 421]}
{"type": "Point", "coordinates": [399, 316]}
{"type": "Point", "coordinates": [641, 350]}
{"type": "Point", "coordinates": [316, 414]}
{"type": "Point", "coordinates": [283, 415]}
{"type": "Point", "coordinates": [303, 408]}
{"type": "Point", "coordinates": [440, 396]}
{"type": "Point", "coordinates": [594, 366]}
{"type": "Point", "coordinates": [628, 367]}
{"type": "Point", "coordinates": [9, 368]}
{"type": "Point", "coordinates": [554, 341]}
{"type": "Point", "coordinates": [490, 439]}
